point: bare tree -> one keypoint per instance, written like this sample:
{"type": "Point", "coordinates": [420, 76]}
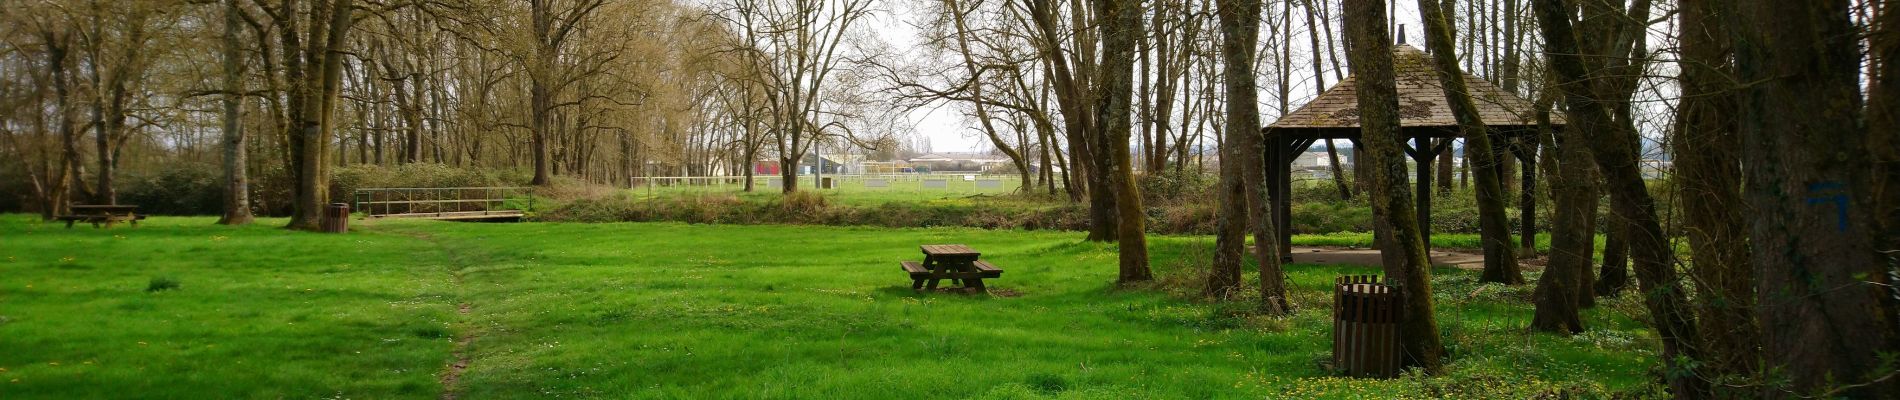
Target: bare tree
{"type": "Point", "coordinates": [1614, 150]}
{"type": "Point", "coordinates": [1071, 69]}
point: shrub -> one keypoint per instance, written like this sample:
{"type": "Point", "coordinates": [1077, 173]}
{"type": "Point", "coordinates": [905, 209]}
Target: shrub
{"type": "Point", "coordinates": [1168, 187]}
{"type": "Point", "coordinates": [175, 189]}
{"type": "Point", "coordinates": [13, 180]}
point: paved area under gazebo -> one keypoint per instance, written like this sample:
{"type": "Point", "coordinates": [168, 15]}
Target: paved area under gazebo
{"type": "Point", "coordinates": [1325, 255]}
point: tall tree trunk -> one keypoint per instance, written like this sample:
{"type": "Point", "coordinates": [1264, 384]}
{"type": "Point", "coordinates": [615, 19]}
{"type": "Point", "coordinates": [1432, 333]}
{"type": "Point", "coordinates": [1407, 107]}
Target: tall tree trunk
{"type": "Point", "coordinates": [1583, 227]}
{"type": "Point", "coordinates": [1121, 25]}
{"type": "Point", "coordinates": [237, 185]}
{"type": "Point", "coordinates": [320, 78]}
{"type": "Point", "coordinates": [1709, 180]}
{"type": "Point", "coordinates": [1564, 287]}
{"type": "Point", "coordinates": [1243, 182]}
{"type": "Point", "coordinates": [1406, 263]}
{"type": "Point", "coordinates": [1616, 256]}
{"type": "Point", "coordinates": [540, 97]}
{"type": "Point", "coordinates": [1500, 263]}
{"type": "Point", "coordinates": [1811, 228]}
{"type": "Point", "coordinates": [58, 59]}
{"type": "Point", "coordinates": [1614, 151]}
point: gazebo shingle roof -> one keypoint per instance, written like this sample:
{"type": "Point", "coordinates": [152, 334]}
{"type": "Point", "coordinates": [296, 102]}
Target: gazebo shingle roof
{"type": "Point", "coordinates": [1421, 100]}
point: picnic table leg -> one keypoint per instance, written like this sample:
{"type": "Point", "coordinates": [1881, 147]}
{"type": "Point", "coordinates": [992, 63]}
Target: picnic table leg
{"type": "Point", "coordinates": [69, 224]}
{"type": "Point", "coordinates": [935, 268]}
{"type": "Point", "coordinates": [916, 284]}
{"type": "Point", "coordinates": [974, 283]}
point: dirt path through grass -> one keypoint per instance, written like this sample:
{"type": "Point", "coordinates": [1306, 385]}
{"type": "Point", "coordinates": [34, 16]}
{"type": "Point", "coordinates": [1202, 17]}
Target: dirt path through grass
{"type": "Point", "coordinates": [459, 358]}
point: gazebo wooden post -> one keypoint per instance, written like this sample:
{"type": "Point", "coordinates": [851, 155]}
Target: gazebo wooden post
{"type": "Point", "coordinates": [1526, 150]}
{"type": "Point", "coordinates": [1290, 150]}
{"type": "Point", "coordinates": [1422, 155]}
{"type": "Point", "coordinates": [1279, 172]}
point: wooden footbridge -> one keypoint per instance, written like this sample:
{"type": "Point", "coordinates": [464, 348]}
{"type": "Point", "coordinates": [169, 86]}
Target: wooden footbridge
{"type": "Point", "coordinates": [455, 203]}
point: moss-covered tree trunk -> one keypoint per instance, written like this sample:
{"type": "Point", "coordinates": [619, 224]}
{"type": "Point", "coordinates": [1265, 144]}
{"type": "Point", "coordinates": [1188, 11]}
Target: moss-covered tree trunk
{"type": "Point", "coordinates": [1564, 287]}
{"type": "Point", "coordinates": [1406, 263]}
{"type": "Point", "coordinates": [1583, 186]}
{"type": "Point", "coordinates": [1709, 180]}
{"type": "Point", "coordinates": [1121, 26]}
{"type": "Point", "coordinates": [1500, 260]}
{"type": "Point", "coordinates": [1240, 24]}
{"type": "Point", "coordinates": [1615, 154]}
{"type": "Point", "coordinates": [1240, 29]}
{"type": "Point", "coordinates": [1812, 231]}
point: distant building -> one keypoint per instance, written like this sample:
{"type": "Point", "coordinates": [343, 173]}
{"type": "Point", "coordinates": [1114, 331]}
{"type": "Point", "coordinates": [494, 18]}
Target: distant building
{"type": "Point", "coordinates": [832, 163]}
{"type": "Point", "coordinates": [957, 161]}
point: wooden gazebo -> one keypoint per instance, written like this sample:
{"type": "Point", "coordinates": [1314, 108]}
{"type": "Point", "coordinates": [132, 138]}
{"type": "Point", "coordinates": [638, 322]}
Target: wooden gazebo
{"type": "Point", "coordinates": [1423, 117]}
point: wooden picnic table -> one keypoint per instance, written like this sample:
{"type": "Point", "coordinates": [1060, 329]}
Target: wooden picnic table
{"type": "Point", "coordinates": [959, 263]}
{"type": "Point", "coordinates": [107, 214]}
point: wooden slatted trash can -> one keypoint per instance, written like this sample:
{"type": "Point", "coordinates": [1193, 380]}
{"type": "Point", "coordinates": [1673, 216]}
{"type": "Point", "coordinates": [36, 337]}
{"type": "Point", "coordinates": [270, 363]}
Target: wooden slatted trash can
{"type": "Point", "coordinates": [336, 218]}
{"type": "Point", "coordinates": [1365, 327]}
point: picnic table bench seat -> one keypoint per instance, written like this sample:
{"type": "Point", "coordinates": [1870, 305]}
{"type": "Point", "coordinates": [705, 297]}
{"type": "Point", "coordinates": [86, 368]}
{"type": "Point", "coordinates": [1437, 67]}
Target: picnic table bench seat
{"type": "Point", "coordinates": [983, 270]}
{"type": "Point", "coordinates": [102, 214]}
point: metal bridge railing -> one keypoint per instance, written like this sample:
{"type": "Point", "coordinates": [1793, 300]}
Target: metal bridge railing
{"type": "Point", "coordinates": [441, 202]}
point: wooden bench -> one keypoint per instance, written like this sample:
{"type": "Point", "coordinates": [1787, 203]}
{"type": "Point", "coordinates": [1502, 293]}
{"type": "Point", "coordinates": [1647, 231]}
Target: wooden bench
{"type": "Point", "coordinates": [955, 262]}
{"type": "Point", "coordinates": [102, 214]}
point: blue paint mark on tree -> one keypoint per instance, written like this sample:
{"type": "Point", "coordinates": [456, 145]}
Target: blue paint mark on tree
{"type": "Point", "coordinates": [1831, 192]}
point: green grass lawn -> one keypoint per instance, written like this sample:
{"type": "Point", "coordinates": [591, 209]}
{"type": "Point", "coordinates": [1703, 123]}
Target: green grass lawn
{"type": "Point", "coordinates": [700, 311]}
